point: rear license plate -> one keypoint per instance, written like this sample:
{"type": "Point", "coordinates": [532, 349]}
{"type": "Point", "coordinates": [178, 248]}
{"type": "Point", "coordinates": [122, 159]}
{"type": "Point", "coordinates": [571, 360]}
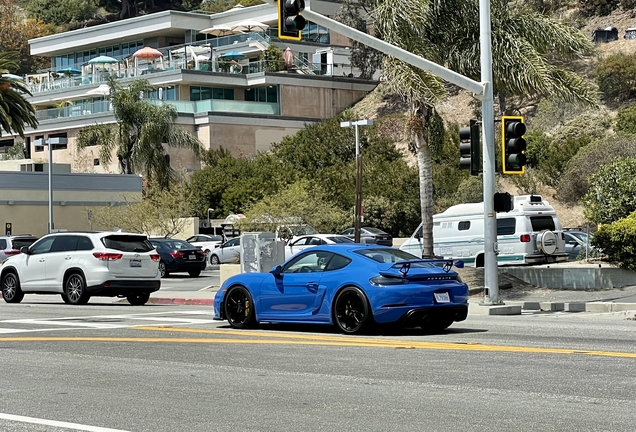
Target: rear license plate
{"type": "Point", "coordinates": [193, 257]}
{"type": "Point", "coordinates": [135, 263]}
{"type": "Point", "coordinates": [442, 297]}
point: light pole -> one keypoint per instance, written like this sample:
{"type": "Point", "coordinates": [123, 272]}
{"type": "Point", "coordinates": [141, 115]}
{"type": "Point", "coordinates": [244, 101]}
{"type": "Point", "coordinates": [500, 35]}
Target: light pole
{"type": "Point", "coordinates": [358, 205]}
{"type": "Point", "coordinates": [209, 210]}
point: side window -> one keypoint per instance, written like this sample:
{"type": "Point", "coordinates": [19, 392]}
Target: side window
{"type": "Point", "coordinates": [192, 239]}
{"type": "Point", "coordinates": [463, 225]}
{"type": "Point", "coordinates": [348, 232]}
{"type": "Point", "coordinates": [315, 241]}
{"type": "Point", "coordinates": [310, 262]}
{"type": "Point", "coordinates": [337, 262]}
{"type": "Point", "coordinates": [84, 244]}
{"type": "Point", "coordinates": [233, 242]}
{"type": "Point", "coordinates": [42, 246]}
{"type": "Point", "coordinates": [3, 244]}
{"type": "Point", "coordinates": [64, 244]}
{"type": "Point", "coordinates": [301, 242]}
{"type": "Point", "coordinates": [506, 226]}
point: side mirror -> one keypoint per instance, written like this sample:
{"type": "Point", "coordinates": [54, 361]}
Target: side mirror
{"type": "Point", "coordinates": [418, 236]}
{"type": "Point", "coordinates": [276, 271]}
{"type": "Point", "coordinates": [24, 250]}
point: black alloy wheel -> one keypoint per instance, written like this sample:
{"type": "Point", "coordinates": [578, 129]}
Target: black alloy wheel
{"type": "Point", "coordinates": [239, 309]}
{"type": "Point", "coordinates": [351, 311]}
{"type": "Point", "coordinates": [11, 292]}
{"type": "Point", "coordinates": [75, 289]}
{"type": "Point", "coordinates": [138, 299]}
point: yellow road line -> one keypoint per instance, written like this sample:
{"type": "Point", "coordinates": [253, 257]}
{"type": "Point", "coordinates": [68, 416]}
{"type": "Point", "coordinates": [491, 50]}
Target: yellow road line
{"type": "Point", "coordinates": [322, 341]}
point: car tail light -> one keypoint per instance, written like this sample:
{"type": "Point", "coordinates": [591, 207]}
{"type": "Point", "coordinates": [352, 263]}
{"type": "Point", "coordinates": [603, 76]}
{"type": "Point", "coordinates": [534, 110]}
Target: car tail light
{"type": "Point", "coordinates": [107, 256]}
{"type": "Point", "coordinates": [525, 238]}
{"type": "Point", "coordinates": [176, 254]}
{"type": "Point", "coordinates": [155, 257]}
{"type": "Point", "coordinates": [11, 252]}
{"type": "Point", "coordinates": [387, 281]}
{"type": "Point", "coordinates": [563, 236]}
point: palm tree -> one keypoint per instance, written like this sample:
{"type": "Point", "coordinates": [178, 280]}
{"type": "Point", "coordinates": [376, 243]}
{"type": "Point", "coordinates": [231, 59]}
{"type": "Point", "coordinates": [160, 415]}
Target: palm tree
{"type": "Point", "coordinates": [15, 110]}
{"type": "Point", "coordinates": [524, 46]}
{"type": "Point", "coordinates": [141, 134]}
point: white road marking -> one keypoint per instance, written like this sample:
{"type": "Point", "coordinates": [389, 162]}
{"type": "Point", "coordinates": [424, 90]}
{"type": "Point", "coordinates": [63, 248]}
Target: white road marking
{"type": "Point", "coordinates": [58, 424]}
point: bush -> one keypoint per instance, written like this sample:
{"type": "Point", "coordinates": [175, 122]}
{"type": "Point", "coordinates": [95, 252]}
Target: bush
{"type": "Point", "coordinates": [616, 76]}
{"type": "Point", "coordinates": [597, 7]}
{"type": "Point", "coordinates": [60, 12]}
{"type": "Point", "coordinates": [612, 193]}
{"type": "Point", "coordinates": [574, 183]}
{"type": "Point", "coordinates": [617, 241]}
{"type": "Point", "coordinates": [625, 122]}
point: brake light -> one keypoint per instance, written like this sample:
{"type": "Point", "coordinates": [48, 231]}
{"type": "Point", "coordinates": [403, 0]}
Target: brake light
{"type": "Point", "coordinates": [155, 257]}
{"type": "Point", "coordinates": [177, 254]}
{"type": "Point", "coordinates": [525, 238]}
{"type": "Point", "coordinates": [107, 256]}
{"type": "Point", "coordinates": [563, 236]}
{"type": "Point", "coordinates": [11, 252]}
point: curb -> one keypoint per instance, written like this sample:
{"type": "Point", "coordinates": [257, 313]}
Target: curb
{"type": "Point", "coordinates": [181, 301]}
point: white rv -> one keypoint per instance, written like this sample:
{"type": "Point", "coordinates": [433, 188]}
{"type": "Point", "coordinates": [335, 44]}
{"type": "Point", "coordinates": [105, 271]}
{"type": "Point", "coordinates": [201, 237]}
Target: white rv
{"type": "Point", "coordinates": [529, 234]}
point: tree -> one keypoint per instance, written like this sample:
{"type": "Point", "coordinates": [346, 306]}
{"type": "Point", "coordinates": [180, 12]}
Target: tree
{"type": "Point", "coordinates": [523, 44]}
{"type": "Point", "coordinates": [612, 193]}
{"type": "Point", "coordinates": [61, 12]}
{"type": "Point", "coordinates": [15, 110]}
{"type": "Point", "coordinates": [141, 134]}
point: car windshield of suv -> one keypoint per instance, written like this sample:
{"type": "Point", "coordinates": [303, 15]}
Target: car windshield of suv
{"type": "Point", "coordinates": [127, 243]}
{"type": "Point", "coordinates": [340, 239]}
{"type": "Point", "coordinates": [375, 231]}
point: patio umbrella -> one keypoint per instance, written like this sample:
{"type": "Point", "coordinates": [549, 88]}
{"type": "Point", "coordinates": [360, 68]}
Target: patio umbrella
{"type": "Point", "coordinates": [12, 76]}
{"type": "Point", "coordinates": [147, 53]}
{"type": "Point", "coordinates": [70, 70]}
{"type": "Point", "coordinates": [102, 90]}
{"type": "Point", "coordinates": [232, 55]}
{"type": "Point", "coordinates": [220, 30]}
{"type": "Point", "coordinates": [249, 25]}
{"type": "Point", "coordinates": [103, 60]}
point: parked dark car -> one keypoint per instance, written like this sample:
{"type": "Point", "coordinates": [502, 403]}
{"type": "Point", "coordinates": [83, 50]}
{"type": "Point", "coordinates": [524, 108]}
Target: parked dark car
{"type": "Point", "coordinates": [178, 256]}
{"type": "Point", "coordinates": [371, 235]}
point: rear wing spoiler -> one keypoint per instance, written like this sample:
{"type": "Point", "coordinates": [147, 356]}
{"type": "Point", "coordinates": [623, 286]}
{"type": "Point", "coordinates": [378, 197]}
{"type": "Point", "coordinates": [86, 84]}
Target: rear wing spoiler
{"type": "Point", "coordinates": [405, 266]}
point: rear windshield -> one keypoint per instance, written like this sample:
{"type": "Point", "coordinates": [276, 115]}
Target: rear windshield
{"type": "Point", "coordinates": [127, 243]}
{"type": "Point", "coordinates": [540, 223]}
{"type": "Point", "coordinates": [386, 255]}
{"type": "Point", "coordinates": [375, 231]}
{"type": "Point", "coordinates": [340, 239]}
{"type": "Point", "coordinates": [177, 245]}
{"type": "Point", "coordinates": [17, 243]}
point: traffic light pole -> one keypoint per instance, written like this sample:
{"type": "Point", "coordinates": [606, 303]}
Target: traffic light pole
{"type": "Point", "coordinates": [482, 91]}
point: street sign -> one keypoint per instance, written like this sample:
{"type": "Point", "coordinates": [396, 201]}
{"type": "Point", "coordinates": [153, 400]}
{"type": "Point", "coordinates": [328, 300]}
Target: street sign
{"type": "Point", "coordinates": [7, 228]}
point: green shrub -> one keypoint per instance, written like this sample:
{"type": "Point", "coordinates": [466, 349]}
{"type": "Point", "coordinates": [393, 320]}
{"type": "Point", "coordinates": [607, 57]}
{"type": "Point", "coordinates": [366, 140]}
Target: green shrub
{"type": "Point", "coordinates": [612, 193]}
{"type": "Point", "coordinates": [597, 7]}
{"type": "Point", "coordinates": [573, 184]}
{"type": "Point", "coordinates": [625, 122]}
{"type": "Point", "coordinates": [616, 76]}
{"type": "Point", "coordinates": [618, 242]}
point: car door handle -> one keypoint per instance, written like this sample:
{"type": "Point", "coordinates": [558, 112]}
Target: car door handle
{"type": "Point", "coordinates": [313, 287]}
{"type": "Point", "coordinates": [68, 257]}
{"type": "Point", "coordinates": [42, 260]}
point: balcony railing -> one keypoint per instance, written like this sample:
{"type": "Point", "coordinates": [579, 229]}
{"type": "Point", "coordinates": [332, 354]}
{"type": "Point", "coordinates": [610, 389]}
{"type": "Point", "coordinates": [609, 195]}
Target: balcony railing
{"type": "Point", "coordinates": [190, 107]}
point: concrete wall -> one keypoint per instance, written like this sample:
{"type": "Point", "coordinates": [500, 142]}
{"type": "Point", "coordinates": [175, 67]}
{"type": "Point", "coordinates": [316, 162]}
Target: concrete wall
{"type": "Point", "coordinates": [576, 277]}
{"type": "Point", "coordinates": [316, 102]}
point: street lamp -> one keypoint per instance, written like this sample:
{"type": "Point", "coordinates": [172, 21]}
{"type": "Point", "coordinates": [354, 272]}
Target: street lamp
{"type": "Point", "coordinates": [42, 142]}
{"type": "Point", "coordinates": [209, 210]}
{"type": "Point", "coordinates": [358, 206]}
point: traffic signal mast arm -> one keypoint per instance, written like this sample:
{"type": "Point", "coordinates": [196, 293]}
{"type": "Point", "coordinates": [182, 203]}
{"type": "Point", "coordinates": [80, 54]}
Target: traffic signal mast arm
{"type": "Point", "coordinates": [392, 50]}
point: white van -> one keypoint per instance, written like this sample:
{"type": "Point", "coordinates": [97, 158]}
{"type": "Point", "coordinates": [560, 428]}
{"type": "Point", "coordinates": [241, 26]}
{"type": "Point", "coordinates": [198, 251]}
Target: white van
{"type": "Point", "coordinates": [529, 234]}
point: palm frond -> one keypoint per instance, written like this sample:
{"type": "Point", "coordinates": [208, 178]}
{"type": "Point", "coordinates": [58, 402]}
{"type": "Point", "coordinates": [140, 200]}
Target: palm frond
{"type": "Point", "coordinates": [412, 83]}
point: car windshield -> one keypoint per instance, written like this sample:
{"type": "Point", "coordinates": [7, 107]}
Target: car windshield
{"type": "Point", "coordinates": [340, 239]}
{"type": "Point", "coordinates": [580, 235]}
{"type": "Point", "coordinates": [214, 238]}
{"type": "Point", "coordinates": [128, 243]}
{"type": "Point", "coordinates": [178, 245]}
{"type": "Point", "coordinates": [374, 230]}
{"type": "Point", "coordinates": [388, 255]}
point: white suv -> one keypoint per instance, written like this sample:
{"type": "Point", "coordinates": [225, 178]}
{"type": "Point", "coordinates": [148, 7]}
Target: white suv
{"type": "Point", "coordinates": [79, 265]}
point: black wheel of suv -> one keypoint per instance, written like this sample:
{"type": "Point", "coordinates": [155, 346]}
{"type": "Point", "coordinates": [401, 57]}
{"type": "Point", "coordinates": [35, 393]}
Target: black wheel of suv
{"type": "Point", "coordinates": [75, 289]}
{"type": "Point", "coordinates": [65, 299]}
{"type": "Point", "coordinates": [11, 292]}
{"type": "Point", "coordinates": [138, 299]}
{"type": "Point", "coordinates": [239, 309]}
{"type": "Point", "coordinates": [163, 271]}
{"type": "Point", "coordinates": [194, 273]}
{"type": "Point", "coordinates": [214, 260]}
{"type": "Point", "coordinates": [351, 312]}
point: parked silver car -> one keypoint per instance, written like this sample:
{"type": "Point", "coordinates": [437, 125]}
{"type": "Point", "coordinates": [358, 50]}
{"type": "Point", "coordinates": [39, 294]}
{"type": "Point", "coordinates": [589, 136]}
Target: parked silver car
{"type": "Point", "coordinates": [227, 253]}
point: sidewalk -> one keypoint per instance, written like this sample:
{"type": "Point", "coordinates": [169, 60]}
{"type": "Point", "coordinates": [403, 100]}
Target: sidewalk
{"type": "Point", "coordinates": [196, 298]}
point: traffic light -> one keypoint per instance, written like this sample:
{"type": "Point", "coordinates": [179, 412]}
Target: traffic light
{"type": "Point", "coordinates": [469, 148]}
{"type": "Point", "coordinates": [513, 145]}
{"type": "Point", "coordinates": [290, 22]}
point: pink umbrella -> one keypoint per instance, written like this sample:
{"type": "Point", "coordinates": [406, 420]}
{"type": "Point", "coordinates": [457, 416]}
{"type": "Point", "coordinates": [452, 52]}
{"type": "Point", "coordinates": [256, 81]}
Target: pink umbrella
{"type": "Point", "coordinates": [289, 57]}
{"type": "Point", "coordinates": [147, 53]}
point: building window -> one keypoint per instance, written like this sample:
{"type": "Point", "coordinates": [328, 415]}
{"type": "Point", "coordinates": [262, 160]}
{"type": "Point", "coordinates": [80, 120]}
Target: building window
{"type": "Point", "coordinates": [62, 141]}
{"type": "Point", "coordinates": [205, 93]}
{"type": "Point", "coordinates": [96, 162]}
{"type": "Point", "coordinates": [5, 145]}
{"type": "Point", "coordinates": [315, 33]}
{"type": "Point", "coordinates": [36, 147]}
{"type": "Point", "coordinates": [262, 94]}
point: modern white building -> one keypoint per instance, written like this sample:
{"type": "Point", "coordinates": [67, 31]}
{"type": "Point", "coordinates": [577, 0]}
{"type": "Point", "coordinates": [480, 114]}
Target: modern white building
{"type": "Point", "coordinates": [221, 89]}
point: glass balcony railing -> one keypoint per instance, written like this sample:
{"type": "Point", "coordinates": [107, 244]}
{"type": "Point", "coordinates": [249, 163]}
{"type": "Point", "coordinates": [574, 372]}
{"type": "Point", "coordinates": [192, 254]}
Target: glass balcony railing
{"type": "Point", "coordinates": [188, 107]}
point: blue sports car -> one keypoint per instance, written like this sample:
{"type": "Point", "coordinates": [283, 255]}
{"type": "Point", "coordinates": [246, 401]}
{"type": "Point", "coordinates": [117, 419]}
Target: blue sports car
{"type": "Point", "coordinates": [349, 285]}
